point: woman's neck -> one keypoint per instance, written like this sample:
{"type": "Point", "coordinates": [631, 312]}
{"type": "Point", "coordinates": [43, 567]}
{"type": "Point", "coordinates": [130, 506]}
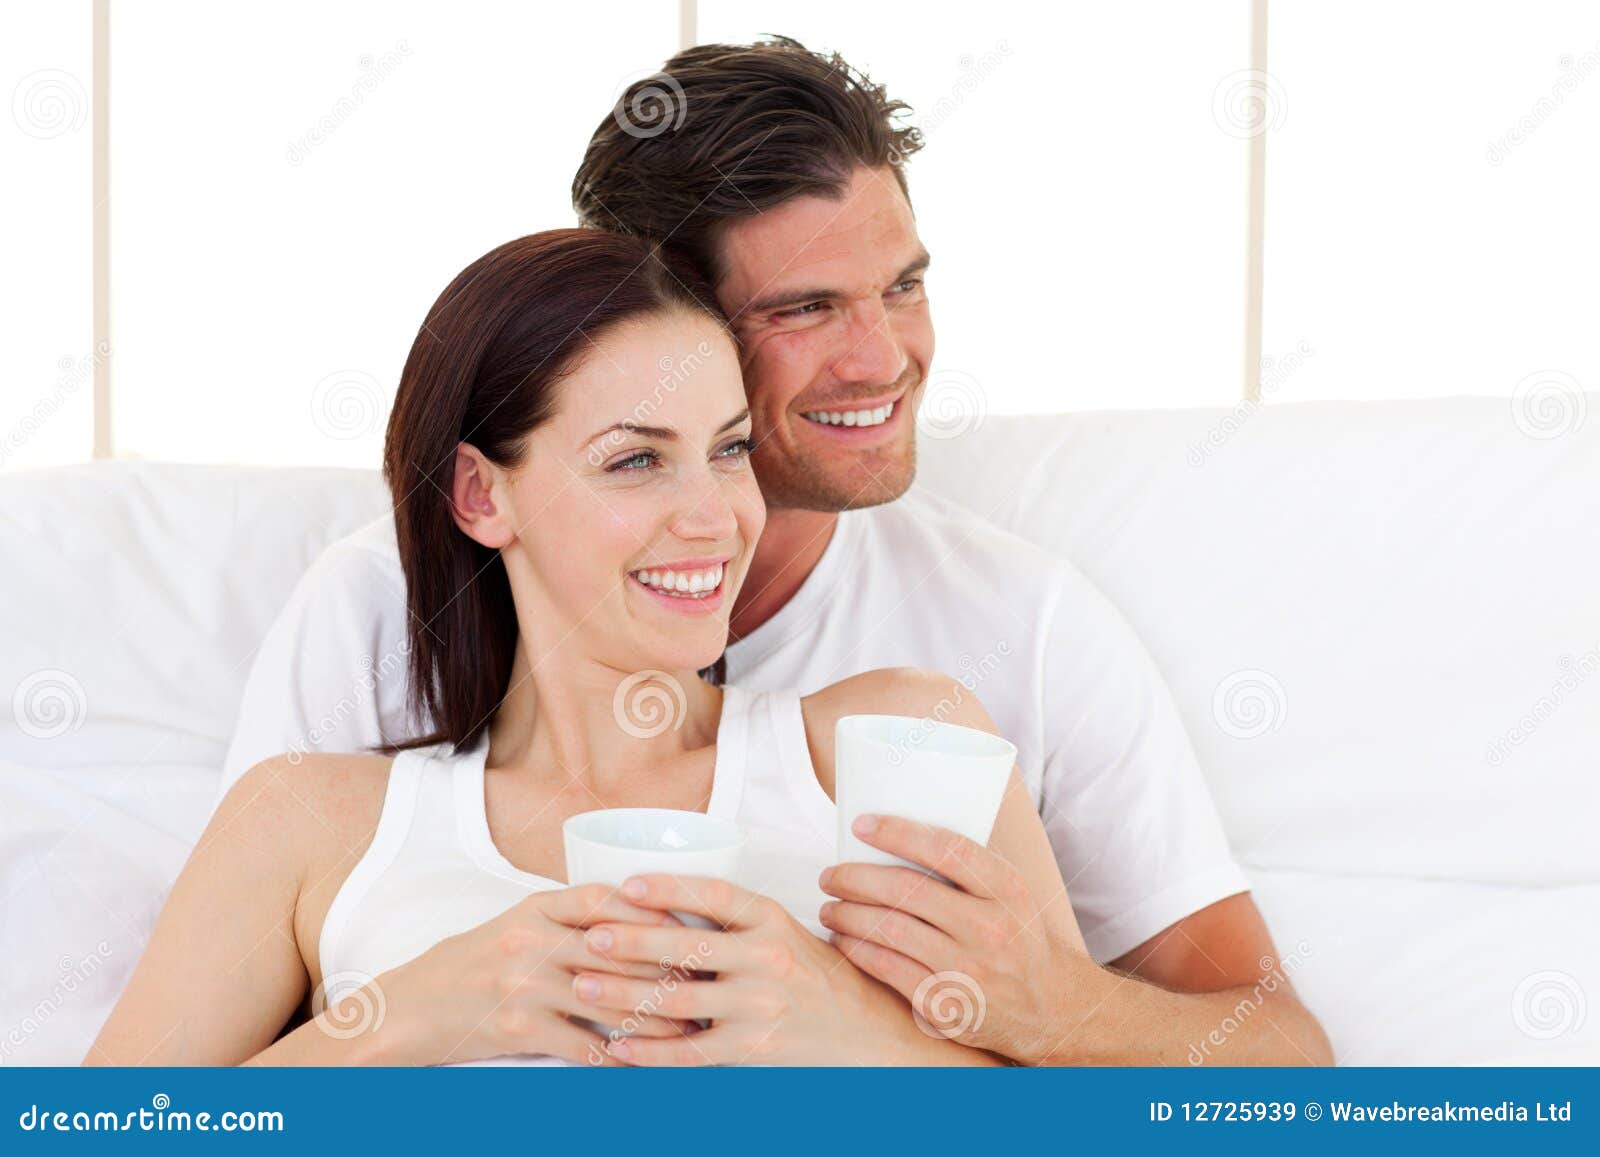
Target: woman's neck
{"type": "Point", "coordinates": [576, 719]}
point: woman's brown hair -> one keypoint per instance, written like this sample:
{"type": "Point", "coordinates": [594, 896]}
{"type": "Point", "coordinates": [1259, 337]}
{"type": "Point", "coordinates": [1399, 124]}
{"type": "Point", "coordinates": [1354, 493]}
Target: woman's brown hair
{"type": "Point", "coordinates": [484, 370]}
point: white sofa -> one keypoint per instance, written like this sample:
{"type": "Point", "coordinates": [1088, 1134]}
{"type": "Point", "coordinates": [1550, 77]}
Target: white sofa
{"type": "Point", "coordinates": [1381, 622]}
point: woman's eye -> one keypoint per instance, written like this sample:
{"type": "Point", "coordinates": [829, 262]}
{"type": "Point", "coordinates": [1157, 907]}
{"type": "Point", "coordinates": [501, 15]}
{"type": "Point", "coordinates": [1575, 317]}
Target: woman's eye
{"type": "Point", "coordinates": [737, 449]}
{"type": "Point", "coordinates": [640, 461]}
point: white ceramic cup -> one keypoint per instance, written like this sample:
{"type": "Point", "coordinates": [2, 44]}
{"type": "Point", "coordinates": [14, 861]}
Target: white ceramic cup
{"type": "Point", "coordinates": [920, 769]}
{"type": "Point", "coordinates": [608, 846]}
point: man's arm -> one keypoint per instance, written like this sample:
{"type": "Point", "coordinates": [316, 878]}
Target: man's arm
{"type": "Point", "coordinates": [1211, 989]}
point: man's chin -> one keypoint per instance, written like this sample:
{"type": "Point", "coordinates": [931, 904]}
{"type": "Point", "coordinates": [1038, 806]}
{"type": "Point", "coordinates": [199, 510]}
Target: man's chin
{"type": "Point", "coordinates": [853, 489]}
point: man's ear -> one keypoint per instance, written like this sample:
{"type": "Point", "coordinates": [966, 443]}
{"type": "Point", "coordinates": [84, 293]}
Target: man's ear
{"type": "Point", "coordinates": [476, 500]}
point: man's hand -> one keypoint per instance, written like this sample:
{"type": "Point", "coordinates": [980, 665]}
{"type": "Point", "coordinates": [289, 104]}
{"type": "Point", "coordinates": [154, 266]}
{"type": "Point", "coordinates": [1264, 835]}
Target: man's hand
{"type": "Point", "coordinates": [984, 960]}
{"type": "Point", "coordinates": [975, 958]}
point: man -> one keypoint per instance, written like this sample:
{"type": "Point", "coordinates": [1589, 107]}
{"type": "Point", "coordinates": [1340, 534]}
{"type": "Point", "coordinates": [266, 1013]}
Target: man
{"type": "Point", "coordinates": [780, 172]}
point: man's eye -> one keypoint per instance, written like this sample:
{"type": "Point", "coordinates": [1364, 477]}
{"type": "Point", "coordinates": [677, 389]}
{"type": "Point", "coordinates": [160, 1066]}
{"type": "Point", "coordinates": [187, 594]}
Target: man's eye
{"type": "Point", "coordinates": [802, 310]}
{"type": "Point", "coordinates": [908, 285]}
{"type": "Point", "coordinates": [640, 461]}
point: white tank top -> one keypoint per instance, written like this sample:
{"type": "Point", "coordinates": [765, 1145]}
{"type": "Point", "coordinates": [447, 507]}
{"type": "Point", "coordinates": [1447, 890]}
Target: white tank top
{"type": "Point", "coordinates": [433, 871]}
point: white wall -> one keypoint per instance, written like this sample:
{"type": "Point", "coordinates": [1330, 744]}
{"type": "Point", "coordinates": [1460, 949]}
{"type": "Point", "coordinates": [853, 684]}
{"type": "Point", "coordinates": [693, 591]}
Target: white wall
{"type": "Point", "coordinates": [289, 195]}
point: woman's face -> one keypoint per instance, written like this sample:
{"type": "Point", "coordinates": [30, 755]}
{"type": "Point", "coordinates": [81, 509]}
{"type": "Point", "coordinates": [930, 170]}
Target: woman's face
{"type": "Point", "coordinates": [635, 511]}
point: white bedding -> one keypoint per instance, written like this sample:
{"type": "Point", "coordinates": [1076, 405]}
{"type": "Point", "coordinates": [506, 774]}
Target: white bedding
{"type": "Point", "coordinates": [1411, 573]}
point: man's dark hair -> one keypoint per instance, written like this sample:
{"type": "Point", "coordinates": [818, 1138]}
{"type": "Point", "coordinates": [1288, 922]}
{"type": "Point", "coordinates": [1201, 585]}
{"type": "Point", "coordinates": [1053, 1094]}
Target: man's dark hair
{"type": "Point", "coordinates": [729, 131]}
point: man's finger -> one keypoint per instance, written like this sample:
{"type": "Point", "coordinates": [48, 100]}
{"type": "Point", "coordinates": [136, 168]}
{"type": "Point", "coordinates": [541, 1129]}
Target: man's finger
{"type": "Point", "coordinates": [899, 931]}
{"type": "Point", "coordinates": [900, 973]}
{"type": "Point", "coordinates": [904, 890]}
{"type": "Point", "coordinates": [965, 863]}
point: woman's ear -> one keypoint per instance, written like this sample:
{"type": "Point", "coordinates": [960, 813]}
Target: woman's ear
{"type": "Point", "coordinates": [475, 499]}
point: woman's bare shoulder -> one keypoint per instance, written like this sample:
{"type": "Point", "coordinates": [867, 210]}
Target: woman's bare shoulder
{"type": "Point", "coordinates": [308, 802]}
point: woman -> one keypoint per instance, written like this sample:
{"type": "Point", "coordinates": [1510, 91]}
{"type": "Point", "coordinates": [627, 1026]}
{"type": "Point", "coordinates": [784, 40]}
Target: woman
{"type": "Point", "coordinates": [569, 459]}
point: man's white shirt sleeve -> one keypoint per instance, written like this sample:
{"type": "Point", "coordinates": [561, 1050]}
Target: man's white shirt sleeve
{"type": "Point", "coordinates": [331, 673]}
{"type": "Point", "coordinates": [1132, 822]}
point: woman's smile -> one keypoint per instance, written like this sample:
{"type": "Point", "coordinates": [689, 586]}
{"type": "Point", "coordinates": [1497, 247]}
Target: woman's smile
{"type": "Point", "coordinates": [691, 587]}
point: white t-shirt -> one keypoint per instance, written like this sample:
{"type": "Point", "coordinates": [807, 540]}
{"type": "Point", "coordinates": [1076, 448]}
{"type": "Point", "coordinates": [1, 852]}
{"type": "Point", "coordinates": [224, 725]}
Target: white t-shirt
{"type": "Point", "coordinates": [912, 583]}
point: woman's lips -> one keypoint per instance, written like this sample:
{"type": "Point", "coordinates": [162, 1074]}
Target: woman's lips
{"type": "Point", "coordinates": [687, 589]}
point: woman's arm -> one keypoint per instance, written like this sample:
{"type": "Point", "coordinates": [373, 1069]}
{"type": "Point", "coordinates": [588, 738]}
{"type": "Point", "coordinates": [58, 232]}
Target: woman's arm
{"type": "Point", "coordinates": [222, 972]}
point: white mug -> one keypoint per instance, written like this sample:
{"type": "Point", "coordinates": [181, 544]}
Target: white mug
{"type": "Point", "coordinates": [610, 845]}
{"type": "Point", "coordinates": [919, 769]}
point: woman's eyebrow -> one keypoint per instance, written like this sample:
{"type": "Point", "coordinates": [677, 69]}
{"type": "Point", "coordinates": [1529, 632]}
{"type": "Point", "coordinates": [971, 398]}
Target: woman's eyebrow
{"type": "Point", "coordinates": [665, 433]}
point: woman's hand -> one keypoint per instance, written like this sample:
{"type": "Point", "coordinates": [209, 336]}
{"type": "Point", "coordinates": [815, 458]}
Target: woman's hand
{"type": "Point", "coordinates": [506, 986]}
{"type": "Point", "coordinates": [780, 996]}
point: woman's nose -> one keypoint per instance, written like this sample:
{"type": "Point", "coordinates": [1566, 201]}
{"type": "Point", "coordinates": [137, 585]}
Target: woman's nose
{"type": "Point", "coordinates": [708, 513]}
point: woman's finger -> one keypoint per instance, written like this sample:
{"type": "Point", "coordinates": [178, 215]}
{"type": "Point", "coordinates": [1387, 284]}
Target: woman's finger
{"type": "Point", "coordinates": [682, 1000]}
{"type": "Point", "coordinates": [571, 1042]}
{"type": "Point", "coordinates": [591, 903]}
{"type": "Point", "coordinates": [685, 949]}
{"type": "Point", "coordinates": [716, 900]}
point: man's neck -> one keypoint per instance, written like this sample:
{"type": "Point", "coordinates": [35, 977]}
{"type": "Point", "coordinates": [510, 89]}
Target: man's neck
{"type": "Point", "coordinates": [786, 553]}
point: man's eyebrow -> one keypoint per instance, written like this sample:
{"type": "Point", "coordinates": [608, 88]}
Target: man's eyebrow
{"type": "Point", "coordinates": [664, 433]}
{"type": "Point", "coordinates": [802, 296]}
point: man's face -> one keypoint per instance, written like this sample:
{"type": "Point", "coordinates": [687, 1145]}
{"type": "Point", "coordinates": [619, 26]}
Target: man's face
{"type": "Point", "coordinates": [828, 304]}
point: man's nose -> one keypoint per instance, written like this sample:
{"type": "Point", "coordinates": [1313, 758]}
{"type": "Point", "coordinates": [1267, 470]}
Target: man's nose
{"type": "Point", "coordinates": [873, 353]}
